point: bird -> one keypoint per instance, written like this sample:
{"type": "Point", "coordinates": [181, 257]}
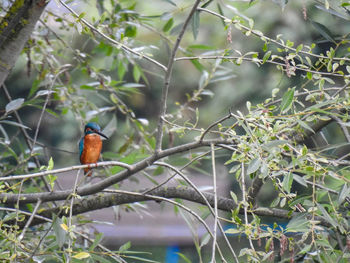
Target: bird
{"type": "Point", "coordinates": [90, 145]}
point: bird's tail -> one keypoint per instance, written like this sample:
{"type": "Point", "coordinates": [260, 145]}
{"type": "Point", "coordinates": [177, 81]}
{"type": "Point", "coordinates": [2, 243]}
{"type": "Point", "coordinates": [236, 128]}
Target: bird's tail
{"type": "Point", "coordinates": [87, 171]}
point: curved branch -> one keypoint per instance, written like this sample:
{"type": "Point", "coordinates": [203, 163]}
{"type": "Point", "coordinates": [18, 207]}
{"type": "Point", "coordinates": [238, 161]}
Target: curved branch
{"type": "Point", "coordinates": [95, 188]}
{"type": "Point", "coordinates": [125, 197]}
{"type": "Point", "coordinates": [66, 169]}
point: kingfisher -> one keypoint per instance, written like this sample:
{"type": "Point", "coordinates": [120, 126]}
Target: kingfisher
{"type": "Point", "coordinates": [90, 145]}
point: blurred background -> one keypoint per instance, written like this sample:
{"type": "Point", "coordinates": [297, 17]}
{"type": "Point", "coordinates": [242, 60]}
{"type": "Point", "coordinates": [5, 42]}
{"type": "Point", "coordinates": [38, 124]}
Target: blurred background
{"type": "Point", "coordinates": [196, 99]}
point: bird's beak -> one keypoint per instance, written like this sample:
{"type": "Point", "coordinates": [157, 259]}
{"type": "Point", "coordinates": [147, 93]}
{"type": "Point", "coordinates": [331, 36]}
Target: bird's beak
{"type": "Point", "coordinates": [100, 133]}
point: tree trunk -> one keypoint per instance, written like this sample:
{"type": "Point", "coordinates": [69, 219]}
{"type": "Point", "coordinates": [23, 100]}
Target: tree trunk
{"type": "Point", "coordinates": [15, 30]}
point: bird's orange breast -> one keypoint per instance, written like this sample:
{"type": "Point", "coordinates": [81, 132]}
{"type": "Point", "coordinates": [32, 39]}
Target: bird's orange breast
{"type": "Point", "coordinates": [92, 149]}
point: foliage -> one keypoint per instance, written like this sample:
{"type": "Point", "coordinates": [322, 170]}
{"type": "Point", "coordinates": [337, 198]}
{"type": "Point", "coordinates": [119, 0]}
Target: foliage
{"type": "Point", "coordinates": [109, 62]}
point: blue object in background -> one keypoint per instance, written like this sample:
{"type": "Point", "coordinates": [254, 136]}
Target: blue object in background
{"type": "Point", "coordinates": [171, 256]}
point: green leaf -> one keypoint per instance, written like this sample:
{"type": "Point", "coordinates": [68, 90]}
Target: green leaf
{"type": "Point", "coordinates": [305, 125]}
{"type": "Point", "coordinates": [14, 105]}
{"type": "Point", "coordinates": [254, 165]}
{"type": "Point", "coordinates": [125, 246]}
{"type": "Point", "coordinates": [298, 223]}
{"type": "Point", "coordinates": [234, 197]}
{"type": "Point", "coordinates": [195, 24]}
{"type": "Point", "coordinates": [221, 13]}
{"type": "Point", "coordinates": [345, 192]}
{"type": "Point", "coordinates": [176, 29]}
{"type": "Point", "coordinates": [232, 231]}
{"type": "Point", "coordinates": [184, 257]}
{"type": "Point", "coordinates": [82, 255]}
{"type": "Point", "coordinates": [13, 123]}
{"type": "Point", "coordinates": [276, 143]}
{"type": "Point", "coordinates": [60, 234]}
{"type": "Point", "coordinates": [34, 88]}
{"type": "Point", "coordinates": [98, 238]}
{"type": "Point", "coordinates": [136, 72]}
{"type": "Point", "coordinates": [168, 25]}
{"type": "Point", "coordinates": [287, 182]}
{"type": "Point", "coordinates": [121, 70]}
{"type": "Point", "coordinates": [309, 75]}
{"type": "Point", "coordinates": [50, 165]}
{"type": "Point", "coordinates": [326, 216]}
{"type": "Point", "coordinates": [111, 127]}
{"type": "Point", "coordinates": [299, 48]}
{"type": "Point", "coordinates": [264, 47]}
{"type": "Point", "coordinates": [287, 100]}
{"type": "Point", "coordinates": [206, 4]}
{"type": "Point", "coordinates": [305, 249]}
{"type": "Point", "coordinates": [130, 31]}
{"type": "Point", "coordinates": [170, 2]}
{"type": "Point", "coordinates": [324, 31]}
{"type": "Point", "coordinates": [198, 65]}
{"type": "Point", "coordinates": [332, 12]}
{"type": "Point", "coordinates": [300, 180]}
{"type": "Point", "coordinates": [266, 56]}
{"type": "Point", "coordinates": [205, 239]}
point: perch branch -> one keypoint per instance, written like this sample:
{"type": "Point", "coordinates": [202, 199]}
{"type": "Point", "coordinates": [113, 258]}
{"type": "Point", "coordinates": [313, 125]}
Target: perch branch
{"type": "Point", "coordinates": [103, 184]}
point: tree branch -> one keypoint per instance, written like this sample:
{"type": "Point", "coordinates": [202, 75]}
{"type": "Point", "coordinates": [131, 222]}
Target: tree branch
{"type": "Point", "coordinates": [260, 62]}
{"type": "Point", "coordinates": [99, 186]}
{"type": "Point", "coordinates": [163, 106]}
{"type": "Point", "coordinates": [120, 197]}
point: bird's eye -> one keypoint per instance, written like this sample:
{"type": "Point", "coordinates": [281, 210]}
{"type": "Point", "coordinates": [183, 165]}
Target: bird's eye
{"type": "Point", "coordinates": [88, 129]}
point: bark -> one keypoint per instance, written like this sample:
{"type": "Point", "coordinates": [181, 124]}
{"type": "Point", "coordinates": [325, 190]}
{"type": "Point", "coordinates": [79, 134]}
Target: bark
{"type": "Point", "coordinates": [100, 201]}
{"type": "Point", "coordinates": [8, 198]}
{"type": "Point", "coordinates": [15, 30]}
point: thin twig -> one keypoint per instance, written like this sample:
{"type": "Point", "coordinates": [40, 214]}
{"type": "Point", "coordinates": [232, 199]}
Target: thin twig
{"type": "Point", "coordinates": [261, 36]}
{"type": "Point", "coordinates": [32, 215]}
{"type": "Point", "coordinates": [245, 206]}
{"type": "Point", "coordinates": [215, 202]}
{"type": "Point", "coordinates": [204, 199]}
{"type": "Point", "coordinates": [345, 86]}
{"type": "Point", "coordinates": [25, 213]}
{"type": "Point", "coordinates": [66, 169]}
{"type": "Point", "coordinates": [44, 107]}
{"type": "Point", "coordinates": [71, 214]}
{"type": "Point", "coordinates": [260, 61]}
{"type": "Point", "coordinates": [163, 105]}
{"type": "Point", "coordinates": [342, 127]}
{"type": "Point", "coordinates": [25, 134]}
{"type": "Point", "coordinates": [159, 198]}
{"type": "Point", "coordinates": [214, 124]}
{"type": "Point", "coordinates": [174, 174]}
{"type": "Point", "coordinates": [17, 212]}
{"type": "Point", "coordinates": [45, 219]}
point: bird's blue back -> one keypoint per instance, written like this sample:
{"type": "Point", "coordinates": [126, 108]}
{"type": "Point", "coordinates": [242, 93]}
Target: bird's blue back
{"type": "Point", "coordinates": [81, 146]}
